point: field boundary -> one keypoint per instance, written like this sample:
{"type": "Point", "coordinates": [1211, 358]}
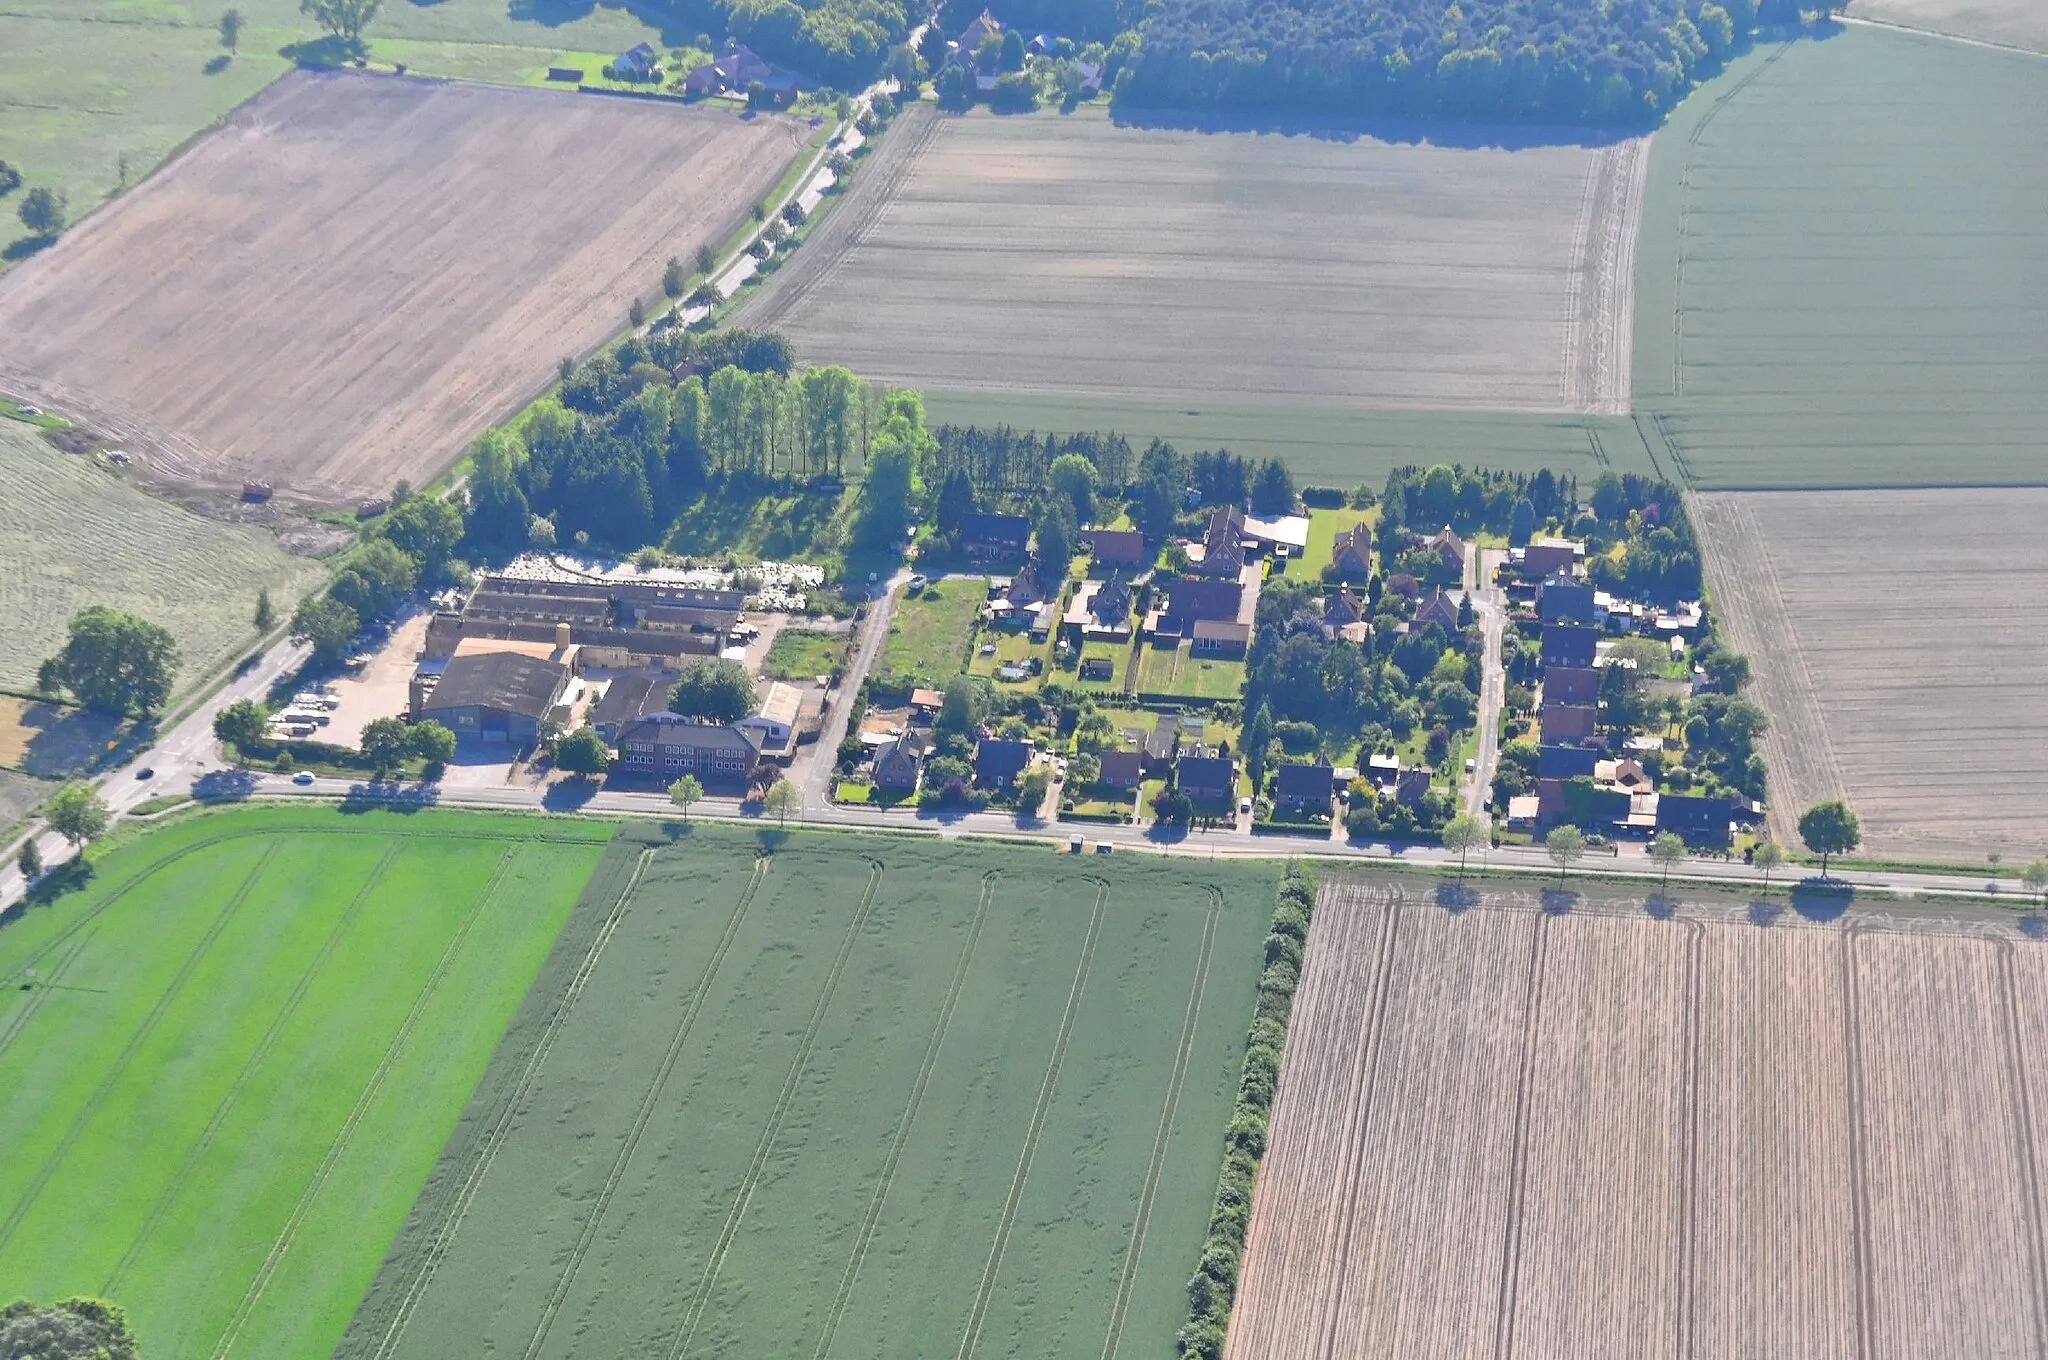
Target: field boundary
{"type": "Point", "coordinates": [971, 1337]}
{"type": "Point", "coordinates": [680, 1346]}
{"type": "Point", "coordinates": [256, 1058]}
{"type": "Point", "coordinates": [2023, 1134]}
{"type": "Point", "coordinates": [910, 1108]}
{"type": "Point", "coordinates": [115, 1070]}
{"type": "Point", "coordinates": [367, 1097]}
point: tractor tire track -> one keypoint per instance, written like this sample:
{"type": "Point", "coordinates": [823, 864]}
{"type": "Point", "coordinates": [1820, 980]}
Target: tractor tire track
{"type": "Point", "coordinates": [119, 1067]}
{"type": "Point", "coordinates": [273, 1260]}
{"type": "Point", "coordinates": [1518, 1175]}
{"type": "Point", "coordinates": [1127, 1279]}
{"type": "Point", "coordinates": [700, 1301]}
{"type": "Point", "coordinates": [1688, 1171]}
{"type": "Point", "coordinates": [1859, 1157]}
{"type": "Point", "coordinates": [2023, 1129]}
{"type": "Point", "coordinates": [495, 1137]}
{"type": "Point", "coordinates": [910, 1108]}
{"type": "Point", "coordinates": [978, 1314]}
{"type": "Point", "coordinates": [255, 1060]}
{"type": "Point", "coordinates": [40, 994]}
{"type": "Point", "coordinates": [645, 1113]}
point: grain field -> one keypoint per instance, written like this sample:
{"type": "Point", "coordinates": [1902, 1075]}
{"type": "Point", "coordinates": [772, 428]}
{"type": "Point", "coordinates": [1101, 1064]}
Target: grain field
{"type": "Point", "coordinates": [350, 276]}
{"type": "Point", "coordinates": [1564, 1125]}
{"type": "Point", "coordinates": [1896, 643]}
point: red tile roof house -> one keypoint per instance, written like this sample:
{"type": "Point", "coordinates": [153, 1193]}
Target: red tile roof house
{"type": "Point", "coordinates": [1223, 547]}
{"type": "Point", "coordinates": [1121, 770]}
{"type": "Point", "coordinates": [1547, 555]}
{"type": "Point", "coordinates": [1439, 609]}
{"type": "Point", "coordinates": [1579, 685]}
{"type": "Point", "coordinates": [1448, 547]}
{"type": "Point", "coordinates": [1117, 547]}
{"type": "Point", "coordinates": [1351, 554]}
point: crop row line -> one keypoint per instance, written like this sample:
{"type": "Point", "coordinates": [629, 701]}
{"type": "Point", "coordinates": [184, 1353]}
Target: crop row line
{"type": "Point", "coordinates": [699, 1302]}
{"type": "Point", "coordinates": [1518, 1173]}
{"type": "Point", "coordinates": [1134, 1251]}
{"type": "Point", "coordinates": [254, 1061]}
{"type": "Point", "coordinates": [971, 1336]}
{"type": "Point", "coordinates": [494, 1138]}
{"type": "Point", "coordinates": [119, 1067]}
{"type": "Point", "coordinates": [645, 1113]}
{"type": "Point", "coordinates": [40, 994]}
{"type": "Point", "coordinates": [2023, 1128]}
{"type": "Point", "coordinates": [359, 1111]}
{"type": "Point", "coordinates": [866, 1235]}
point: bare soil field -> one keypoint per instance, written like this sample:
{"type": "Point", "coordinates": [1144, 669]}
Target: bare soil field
{"type": "Point", "coordinates": [1070, 255]}
{"type": "Point", "coordinates": [1896, 640]}
{"type": "Point", "coordinates": [2009, 23]}
{"type": "Point", "coordinates": [339, 285]}
{"type": "Point", "coordinates": [1543, 1125]}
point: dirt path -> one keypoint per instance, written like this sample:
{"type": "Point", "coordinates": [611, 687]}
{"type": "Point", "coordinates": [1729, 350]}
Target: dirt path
{"type": "Point", "coordinates": [1599, 332]}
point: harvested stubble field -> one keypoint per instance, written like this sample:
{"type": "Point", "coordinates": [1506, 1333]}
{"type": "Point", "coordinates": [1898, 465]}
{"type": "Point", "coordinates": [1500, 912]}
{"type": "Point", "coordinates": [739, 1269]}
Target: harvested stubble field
{"type": "Point", "coordinates": [1828, 292]}
{"type": "Point", "coordinates": [860, 1096]}
{"type": "Point", "coordinates": [351, 275]}
{"type": "Point", "coordinates": [2009, 23]}
{"type": "Point", "coordinates": [1896, 642]}
{"type": "Point", "coordinates": [1068, 255]}
{"type": "Point", "coordinates": [1512, 1126]}
{"type": "Point", "coordinates": [246, 1040]}
{"type": "Point", "coordinates": [72, 535]}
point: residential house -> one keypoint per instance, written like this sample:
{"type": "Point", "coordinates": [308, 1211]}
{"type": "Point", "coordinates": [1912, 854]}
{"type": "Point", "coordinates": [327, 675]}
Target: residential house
{"type": "Point", "coordinates": [982, 26]}
{"type": "Point", "coordinates": [1571, 645]}
{"type": "Point", "coordinates": [1549, 556]}
{"type": "Point", "coordinates": [1162, 744]}
{"type": "Point", "coordinates": [628, 697]}
{"type": "Point", "coordinates": [1121, 770]}
{"type": "Point", "coordinates": [1271, 533]}
{"type": "Point", "coordinates": [638, 62]}
{"type": "Point", "coordinates": [1560, 599]}
{"type": "Point", "coordinates": [1383, 770]}
{"type": "Point", "coordinates": [1351, 553]}
{"type": "Point", "coordinates": [667, 746]}
{"type": "Point", "coordinates": [1099, 611]}
{"type": "Point", "coordinates": [988, 537]}
{"type": "Point", "coordinates": [776, 719]}
{"type": "Point", "coordinates": [1701, 821]}
{"type": "Point", "coordinates": [1091, 78]}
{"type": "Point", "coordinates": [1523, 809]}
{"type": "Point", "coordinates": [1207, 779]}
{"type": "Point", "coordinates": [1447, 548]}
{"type": "Point", "coordinates": [1568, 722]}
{"type": "Point", "coordinates": [1555, 761]}
{"type": "Point", "coordinates": [998, 763]}
{"type": "Point", "coordinates": [1412, 783]}
{"type": "Point", "coordinates": [1117, 548]}
{"type": "Point", "coordinates": [1221, 638]}
{"type": "Point", "coordinates": [1305, 788]}
{"type": "Point", "coordinates": [1223, 545]}
{"type": "Point", "coordinates": [899, 763]}
{"type": "Point", "coordinates": [1342, 608]}
{"type": "Point", "coordinates": [500, 697]}
{"type": "Point", "coordinates": [1441, 609]}
{"type": "Point", "coordinates": [1098, 668]}
{"type": "Point", "coordinates": [1189, 601]}
{"type": "Point", "coordinates": [1575, 685]}
{"type": "Point", "coordinates": [730, 72]}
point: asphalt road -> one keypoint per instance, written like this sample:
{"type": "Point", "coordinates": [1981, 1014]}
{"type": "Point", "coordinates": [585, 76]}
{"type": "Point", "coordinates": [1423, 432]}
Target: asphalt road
{"type": "Point", "coordinates": [1491, 607]}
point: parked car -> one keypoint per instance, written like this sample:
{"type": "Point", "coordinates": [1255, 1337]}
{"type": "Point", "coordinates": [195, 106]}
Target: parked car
{"type": "Point", "coordinates": [303, 777]}
{"type": "Point", "coordinates": [146, 772]}
{"type": "Point", "coordinates": [916, 583]}
{"type": "Point", "coordinates": [1244, 805]}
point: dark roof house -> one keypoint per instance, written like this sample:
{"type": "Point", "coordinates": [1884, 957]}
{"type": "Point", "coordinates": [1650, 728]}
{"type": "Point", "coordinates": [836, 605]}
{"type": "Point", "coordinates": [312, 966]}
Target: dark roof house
{"type": "Point", "coordinates": [1220, 637]}
{"type": "Point", "coordinates": [1568, 722]}
{"type": "Point", "coordinates": [626, 698]}
{"type": "Point", "coordinates": [1162, 743]}
{"type": "Point", "coordinates": [899, 761]}
{"type": "Point", "coordinates": [1700, 820]}
{"type": "Point", "coordinates": [1566, 762]}
{"type": "Point", "coordinates": [495, 696]}
{"type": "Point", "coordinates": [1188, 600]}
{"type": "Point", "coordinates": [1578, 685]}
{"type": "Point", "coordinates": [1447, 547]}
{"type": "Point", "coordinates": [1121, 769]}
{"type": "Point", "coordinates": [1206, 778]}
{"type": "Point", "coordinates": [1560, 599]}
{"type": "Point", "coordinates": [986, 536]}
{"type": "Point", "coordinates": [1223, 546]}
{"type": "Point", "coordinates": [1304, 786]}
{"type": "Point", "coordinates": [1570, 644]}
{"type": "Point", "coordinates": [1117, 547]}
{"type": "Point", "coordinates": [1439, 609]}
{"type": "Point", "coordinates": [997, 762]}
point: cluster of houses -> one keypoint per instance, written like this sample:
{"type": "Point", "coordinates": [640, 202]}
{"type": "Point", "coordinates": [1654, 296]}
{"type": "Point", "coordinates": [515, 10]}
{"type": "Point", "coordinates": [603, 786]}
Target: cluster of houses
{"type": "Point", "coordinates": [735, 70]}
{"type": "Point", "coordinates": [965, 52]}
{"type": "Point", "coordinates": [1579, 779]}
{"type": "Point", "coordinates": [519, 655]}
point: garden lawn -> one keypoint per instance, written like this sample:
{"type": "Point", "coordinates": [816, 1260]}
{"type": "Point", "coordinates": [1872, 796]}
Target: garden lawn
{"type": "Point", "coordinates": [865, 1096]}
{"type": "Point", "coordinates": [804, 654]}
{"type": "Point", "coordinates": [929, 632]}
{"type": "Point", "coordinates": [1177, 671]}
{"type": "Point", "coordinates": [1012, 649]}
{"type": "Point", "coordinates": [245, 1042]}
{"type": "Point", "coordinates": [1323, 528]}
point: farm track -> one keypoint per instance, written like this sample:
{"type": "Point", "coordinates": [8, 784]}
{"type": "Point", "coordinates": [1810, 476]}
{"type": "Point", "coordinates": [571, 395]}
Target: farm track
{"type": "Point", "coordinates": [1511, 1244]}
{"type": "Point", "coordinates": [1134, 1252]}
{"type": "Point", "coordinates": [751, 1181]}
{"type": "Point", "coordinates": [119, 1067]}
{"type": "Point", "coordinates": [508, 1112]}
{"type": "Point", "coordinates": [971, 1336]}
{"type": "Point", "coordinates": [865, 1236]}
{"type": "Point", "coordinates": [257, 1056]}
{"type": "Point", "coordinates": [37, 997]}
{"type": "Point", "coordinates": [367, 1097]}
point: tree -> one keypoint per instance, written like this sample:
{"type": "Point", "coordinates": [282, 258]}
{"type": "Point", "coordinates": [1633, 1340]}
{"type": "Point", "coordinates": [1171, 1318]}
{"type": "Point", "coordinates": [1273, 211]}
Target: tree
{"type": "Point", "coordinates": [2036, 877]}
{"type": "Point", "coordinates": [345, 19]}
{"type": "Point", "coordinates": [31, 860]}
{"type": "Point", "coordinates": [1084, 769]}
{"type": "Point", "coordinates": [42, 211]}
{"type": "Point", "coordinates": [241, 725]}
{"type": "Point", "coordinates": [583, 752]}
{"type": "Point", "coordinates": [1031, 791]}
{"type": "Point", "coordinates": [1073, 477]}
{"type": "Point", "coordinates": [885, 498]}
{"type": "Point", "coordinates": [1258, 735]}
{"type": "Point", "coordinates": [782, 799]}
{"type": "Point", "coordinates": [1667, 849]}
{"type": "Point", "coordinates": [376, 578]}
{"type": "Point", "coordinates": [231, 30]}
{"type": "Point", "coordinates": [1767, 856]}
{"type": "Point", "coordinates": [1522, 522]}
{"type": "Point", "coordinates": [706, 258]}
{"type": "Point", "coordinates": [426, 529]}
{"type": "Point", "coordinates": [10, 179]}
{"type": "Point", "coordinates": [1012, 52]}
{"type": "Point", "coordinates": [385, 743]}
{"type": "Point", "coordinates": [266, 613]}
{"type": "Point", "coordinates": [1056, 541]}
{"type": "Point", "coordinates": [325, 622]}
{"type": "Point", "coordinates": [672, 278]}
{"type": "Point", "coordinates": [1463, 834]}
{"type": "Point", "coordinates": [115, 663]}
{"type": "Point", "coordinates": [1273, 493]}
{"type": "Point", "coordinates": [77, 812]}
{"type": "Point", "coordinates": [956, 500]}
{"type": "Point", "coordinates": [431, 742]}
{"type": "Point", "coordinates": [1565, 846]}
{"type": "Point", "coordinates": [77, 1328]}
{"type": "Point", "coordinates": [1829, 829]}
{"type": "Point", "coordinates": [686, 791]}
{"type": "Point", "coordinates": [713, 691]}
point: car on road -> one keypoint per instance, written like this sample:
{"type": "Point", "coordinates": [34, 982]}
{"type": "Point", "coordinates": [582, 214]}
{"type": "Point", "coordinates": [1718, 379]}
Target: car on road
{"type": "Point", "coordinates": [303, 777]}
{"type": "Point", "coordinates": [146, 772]}
{"type": "Point", "coordinates": [1244, 805]}
{"type": "Point", "coordinates": [916, 583]}
{"type": "Point", "coordinates": [1471, 764]}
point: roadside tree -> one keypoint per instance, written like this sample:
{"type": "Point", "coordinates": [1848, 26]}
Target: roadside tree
{"type": "Point", "coordinates": [583, 752]}
{"type": "Point", "coordinates": [77, 1328]}
{"type": "Point", "coordinates": [782, 799]}
{"type": "Point", "coordinates": [431, 742]}
{"type": "Point", "coordinates": [1566, 846]}
{"type": "Point", "coordinates": [241, 725]}
{"type": "Point", "coordinates": [115, 663]}
{"type": "Point", "coordinates": [2035, 876]}
{"type": "Point", "coordinates": [1462, 835]}
{"type": "Point", "coordinates": [326, 623]}
{"type": "Point", "coordinates": [385, 743]}
{"type": "Point", "coordinates": [1767, 856]}
{"type": "Point", "coordinates": [265, 617]}
{"type": "Point", "coordinates": [672, 278]}
{"type": "Point", "coordinates": [42, 211]}
{"type": "Point", "coordinates": [1668, 849]}
{"type": "Point", "coordinates": [686, 791]}
{"type": "Point", "coordinates": [30, 860]}
{"type": "Point", "coordinates": [77, 812]}
{"type": "Point", "coordinates": [706, 258]}
{"type": "Point", "coordinates": [1829, 829]}
{"type": "Point", "coordinates": [1031, 791]}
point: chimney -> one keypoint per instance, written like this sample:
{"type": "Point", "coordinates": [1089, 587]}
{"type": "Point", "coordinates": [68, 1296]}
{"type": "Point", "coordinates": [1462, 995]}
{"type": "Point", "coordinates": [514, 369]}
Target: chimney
{"type": "Point", "coordinates": [561, 637]}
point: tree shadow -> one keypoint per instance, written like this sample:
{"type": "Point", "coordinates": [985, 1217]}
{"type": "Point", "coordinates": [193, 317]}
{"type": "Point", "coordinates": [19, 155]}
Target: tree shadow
{"type": "Point", "coordinates": [215, 65]}
{"type": "Point", "coordinates": [1822, 899]}
{"type": "Point", "coordinates": [321, 53]}
{"type": "Point", "coordinates": [224, 786]}
{"type": "Point", "coordinates": [773, 838]}
{"type": "Point", "coordinates": [1558, 901]}
{"type": "Point", "coordinates": [381, 795]}
{"type": "Point", "coordinates": [569, 795]}
{"type": "Point", "coordinates": [1397, 131]}
{"type": "Point", "coordinates": [1661, 907]}
{"type": "Point", "coordinates": [1764, 913]}
{"type": "Point", "coordinates": [2034, 926]}
{"type": "Point", "coordinates": [73, 875]}
{"type": "Point", "coordinates": [1456, 898]}
{"type": "Point", "coordinates": [27, 246]}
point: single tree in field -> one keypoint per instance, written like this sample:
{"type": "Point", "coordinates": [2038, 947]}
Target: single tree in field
{"type": "Point", "coordinates": [77, 812]}
{"type": "Point", "coordinates": [686, 791]}
{"type": "Point", "coordinates": [1565, 846]}
{"type": "Point", "coordinates": [1829, 829]}
{"type": "Point", "coordinates": [706, 258]}
{"type": "Point", "coordinates": [345, 19]}
{"type": "Point", "coordinates": [266, 613]}
{"type": "Point", "coordinates": [231, 31]}
{"type": "Point", "coordinates": [2035, 877]}
{"type": "Point", "coordinates": [583, 752]}
{"type": "Point", "coordinates": [42, 211]}
{"type": "Point", "coordinates": [1767, 856]}
{"type": "Point", "coordinates": [76, 1328]}
{"type": "Point", "coordinates": [31, 860]}
{"type": "Point", "coordinates": [115, 663]}
{"type": "Point", "coordinates": [782, 799]}
{"type": "Point", "coordinates": [1462, 835]}
{"type": "Point", "coordinates": [241, 725]}
{"type": "Point", "coordinates": [1667, 850]}
{"type": "Point", "coordinates": [672, 278]}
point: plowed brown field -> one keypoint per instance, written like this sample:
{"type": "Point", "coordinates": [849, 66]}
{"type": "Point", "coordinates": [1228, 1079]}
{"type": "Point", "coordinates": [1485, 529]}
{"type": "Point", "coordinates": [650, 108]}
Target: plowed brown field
{"type": "Point", "coordinates": [350, 276]}
{"type": "Point", "coordinates": [1523, 1128]}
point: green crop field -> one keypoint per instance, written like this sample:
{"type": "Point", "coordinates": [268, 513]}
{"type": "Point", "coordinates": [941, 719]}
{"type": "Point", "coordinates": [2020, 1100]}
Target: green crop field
{"type": "Point", "coordinates": [73, 535]}
{"type": "Point", "coordinates": [245, 1041]}
{"type": "Point", "coordinates": [863, 1096]}
{"type": "Point", "coordinates": [1841, 277]}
